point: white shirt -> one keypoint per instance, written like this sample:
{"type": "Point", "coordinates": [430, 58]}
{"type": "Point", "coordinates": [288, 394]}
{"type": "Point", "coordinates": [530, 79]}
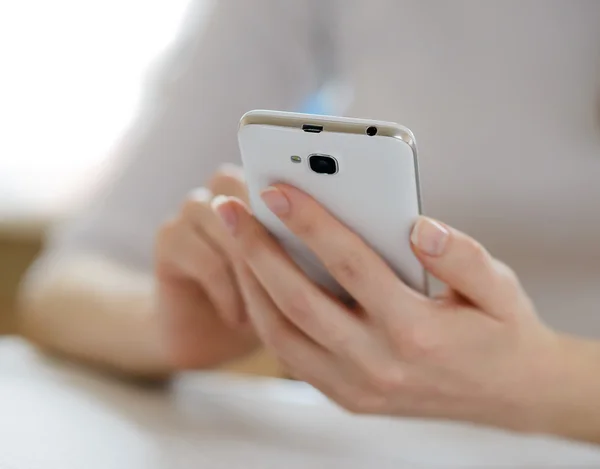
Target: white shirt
{"type": "Point", "coordinates": [503, 97]}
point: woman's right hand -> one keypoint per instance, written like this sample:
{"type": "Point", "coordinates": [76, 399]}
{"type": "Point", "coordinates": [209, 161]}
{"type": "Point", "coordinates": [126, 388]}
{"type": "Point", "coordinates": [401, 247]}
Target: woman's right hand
{"type": "Point", "coordinates": [202, 313]}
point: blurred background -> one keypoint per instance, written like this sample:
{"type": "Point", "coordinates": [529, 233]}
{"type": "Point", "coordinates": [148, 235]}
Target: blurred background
{"type": "Point", "coordinates": [504, 98]}
{"type": "Point", "coordinates": [74, 74]}
{"type": "Point", "coordinates": [56, 133]}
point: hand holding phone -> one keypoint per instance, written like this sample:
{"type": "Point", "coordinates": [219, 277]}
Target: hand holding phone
{"type": "Point", "coordinates": [364, 172]}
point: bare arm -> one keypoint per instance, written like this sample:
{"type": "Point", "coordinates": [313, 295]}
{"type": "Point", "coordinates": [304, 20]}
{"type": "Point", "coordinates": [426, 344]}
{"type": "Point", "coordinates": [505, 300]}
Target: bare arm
{"type": "Point", "coordinates": [94, 310]}
{"type": "Point", "coordinates": [91, 295]}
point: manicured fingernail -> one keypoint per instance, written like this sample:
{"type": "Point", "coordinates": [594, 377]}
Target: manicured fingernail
{"type": "Point", "coordinates": [429, 236]}
{"type": "Point", "coordinates": [230, 169]}
{"type": "Point", "coordinates": [225, 211]}
{"type": "Point", "coordinates": [276, 201]}
{"type": "Point", "coordinates": [201, 194]}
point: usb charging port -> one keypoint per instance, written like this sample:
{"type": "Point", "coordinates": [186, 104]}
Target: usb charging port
{"type": "Point", "coordinates": [315, 129]}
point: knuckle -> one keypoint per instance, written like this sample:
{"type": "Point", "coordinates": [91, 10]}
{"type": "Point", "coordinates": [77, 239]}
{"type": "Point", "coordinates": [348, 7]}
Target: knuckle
{"type": "Point", "coordinates": [305, 228]}
{"type": "Point", "coordinates": [340, 340]}
{"type": "Point", "coordinates": [350, 267]}
{"type": "Point", "coordinates": [299, 305]}
{"type": "Point", "coordinates": [385, 379]}
{"type": "Point", "coordinates": [417, 343]}
{"type": "Point", "coordinates": [479, 255]}
{"type": "Point", "coordinates": [508, 287]}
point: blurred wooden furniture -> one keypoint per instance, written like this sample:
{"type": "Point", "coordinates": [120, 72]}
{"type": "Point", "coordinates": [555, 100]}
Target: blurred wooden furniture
{"type": "Point", "coordinates": [20, 241]}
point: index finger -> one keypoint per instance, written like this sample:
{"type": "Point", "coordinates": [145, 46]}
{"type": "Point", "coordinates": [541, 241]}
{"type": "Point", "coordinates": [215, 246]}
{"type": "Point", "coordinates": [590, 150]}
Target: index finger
{"type": "Point", "coordinates": [229, 180]}
{"type": "Point", "coordinates": [359, 269]}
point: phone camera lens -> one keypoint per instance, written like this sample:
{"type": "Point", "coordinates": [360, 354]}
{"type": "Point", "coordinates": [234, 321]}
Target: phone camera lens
{"type": "Point", "coordinates": [322, 164]}
{"type": "Point", "coordinates": [372, 130]}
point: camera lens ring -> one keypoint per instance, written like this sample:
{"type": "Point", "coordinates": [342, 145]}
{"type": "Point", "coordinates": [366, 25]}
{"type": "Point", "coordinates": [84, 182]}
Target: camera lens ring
{"type": "Point", "coordinates": [323, 164]}
{"type": "Point", "coordinates": [371, 130]}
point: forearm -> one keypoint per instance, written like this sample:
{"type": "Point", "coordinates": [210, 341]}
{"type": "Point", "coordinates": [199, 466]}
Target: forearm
{"type": "Point", "coordinates": [96, 311]}
{"type": "Point", "coordinates": [572, 407]}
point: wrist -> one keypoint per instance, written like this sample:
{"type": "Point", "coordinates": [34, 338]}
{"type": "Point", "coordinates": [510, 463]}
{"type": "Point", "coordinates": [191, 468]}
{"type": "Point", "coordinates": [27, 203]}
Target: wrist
{"type": "Point", "coordinates": [567, 403]}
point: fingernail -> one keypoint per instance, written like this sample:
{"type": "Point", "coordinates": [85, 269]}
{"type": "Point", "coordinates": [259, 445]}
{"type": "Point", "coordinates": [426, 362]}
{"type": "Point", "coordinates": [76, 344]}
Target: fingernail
{"type": "Point", "coordinates": [201, 194]}
{"type": "Point", "coordinates": [225, 211]}
{"type": "Point", "coordinates": [276, 201]}
{"type": "Point", "coordinates": [429, 236]}
{"type": "Point", "coordinates": [231, 169]}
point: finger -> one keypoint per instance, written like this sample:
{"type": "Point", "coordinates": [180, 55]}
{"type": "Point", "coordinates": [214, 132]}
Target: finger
{"type": "Point", "coordinates": [361, 271]}
{"type": "Point", "coordinates": [229, 180]}
{"type": "Point", "coordinates": [198, 210]}
{"type": "Point", "coordinates": [463, 264]}
{"type": "Point", "coordinates": [199, 261]}
{"type": "Point", "coordinates": [321, 318]}
{"type": "Point", "coordinates": [200, 214]}
{"type": "Point", "coordinates": [186, 246]}
{"type": "Point", "coordinates": [302, 356]}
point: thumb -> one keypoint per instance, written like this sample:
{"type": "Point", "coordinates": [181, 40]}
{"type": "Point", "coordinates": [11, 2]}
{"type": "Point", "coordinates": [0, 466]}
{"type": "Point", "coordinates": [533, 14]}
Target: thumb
{"type": "Point", "coordinates": [466, 267]}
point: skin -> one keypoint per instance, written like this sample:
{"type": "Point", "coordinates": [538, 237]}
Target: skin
{"type": "Point", "coordinates": [189, 315]}
{"type": "Point", "coordinates": [479, 353]}
{"type": "Point", "coordinates": [222, 285]}
{"type": "Point", "coordinates": [198, 296]}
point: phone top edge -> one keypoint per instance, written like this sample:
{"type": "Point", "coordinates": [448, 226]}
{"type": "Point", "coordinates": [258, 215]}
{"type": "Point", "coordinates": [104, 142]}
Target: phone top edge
{"type": "Point", "coordinates": [330, 124]}
{"type": "Point", "coordinates": [337, 124]}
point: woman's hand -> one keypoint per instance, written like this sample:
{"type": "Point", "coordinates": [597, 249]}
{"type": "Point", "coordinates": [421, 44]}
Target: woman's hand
{"type": "Point", "coordinates": [479, 353]}
{"type": "Point", "coordinates": [201, 309]}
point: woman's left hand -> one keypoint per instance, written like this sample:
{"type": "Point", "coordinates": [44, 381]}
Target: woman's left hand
{"type": "Point", "coordinates": [479, 353]}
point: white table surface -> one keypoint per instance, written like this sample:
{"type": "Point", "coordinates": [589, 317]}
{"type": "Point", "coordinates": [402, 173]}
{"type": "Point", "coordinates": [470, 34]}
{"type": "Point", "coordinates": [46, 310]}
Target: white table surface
{"type": "Point", "coordinates": [59, 416]}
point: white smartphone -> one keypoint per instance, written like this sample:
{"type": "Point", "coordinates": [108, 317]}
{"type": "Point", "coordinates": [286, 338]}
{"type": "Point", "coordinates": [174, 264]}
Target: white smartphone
{"type": "Point", "coordinates": [364, 172]}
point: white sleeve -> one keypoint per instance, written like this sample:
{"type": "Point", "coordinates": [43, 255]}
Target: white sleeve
{"type": "Point", "coordinates": [246, 54]}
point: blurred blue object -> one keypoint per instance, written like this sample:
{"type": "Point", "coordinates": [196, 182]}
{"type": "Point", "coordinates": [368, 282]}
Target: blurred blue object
{"type": "Point", "coordinates": [332, 99]}
{"type": "Point", "coordinates": [316, 104]}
